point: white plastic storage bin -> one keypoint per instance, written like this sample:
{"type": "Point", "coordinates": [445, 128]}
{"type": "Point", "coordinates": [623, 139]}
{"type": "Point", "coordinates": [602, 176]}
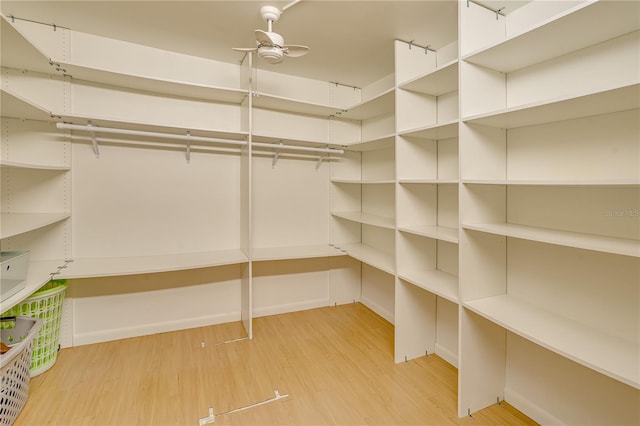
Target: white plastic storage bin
{"type": "Point", "coordinates": [14, 266]}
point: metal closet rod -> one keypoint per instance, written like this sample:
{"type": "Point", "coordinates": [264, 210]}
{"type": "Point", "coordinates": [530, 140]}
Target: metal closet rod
{"type": "Point", "coordinates": [96, 129]}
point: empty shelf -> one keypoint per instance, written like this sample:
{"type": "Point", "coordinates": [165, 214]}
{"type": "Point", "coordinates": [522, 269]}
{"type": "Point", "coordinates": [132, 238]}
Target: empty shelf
{"type": "Point", "coordinates": [437, 282]}
{"type": "Point", "coordinates": [114, 266]}
{"type": "Point", "coordinates": [370, 255]}
{"type": "Point", "coordinates": [442, 233]}
{"type": "Point", "coordinates": [366, 218]}
{"type": "Point", "coordinates": [623, 246]}
{"type": "Point", "coordinates": [295, 252]}
{"type": "Point", "coordinates": [605, 353]}
{"type": "Point", "coordinates": [19, 223]}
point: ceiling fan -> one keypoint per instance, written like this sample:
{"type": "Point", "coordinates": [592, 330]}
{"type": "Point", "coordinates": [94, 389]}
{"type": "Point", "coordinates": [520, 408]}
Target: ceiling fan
{"type": "Point", "coordinates": [270, 45]}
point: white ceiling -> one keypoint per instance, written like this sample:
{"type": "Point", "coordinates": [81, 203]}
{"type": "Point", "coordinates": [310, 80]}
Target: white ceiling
{"type": "Point", "coordinates": [351, 41]}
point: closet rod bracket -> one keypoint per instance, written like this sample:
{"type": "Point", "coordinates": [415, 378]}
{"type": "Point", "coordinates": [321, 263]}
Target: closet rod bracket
{"type": "Point", "coordinates": [320, 158]}
{"type": "Point", "coordinates": [188, 148]}
{"type": "Point", "coordinates": [94, 139]}
{"type": "Point", "coordinates": [276, 154]}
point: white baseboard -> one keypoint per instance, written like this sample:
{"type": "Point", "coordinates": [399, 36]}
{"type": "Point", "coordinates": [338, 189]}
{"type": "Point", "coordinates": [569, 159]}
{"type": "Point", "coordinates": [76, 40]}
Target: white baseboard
{"type": "Point", "coordinates": [447, 355]}
{"type": "Point", "coordinates": [532, 410]}
{"type": "Point", "coordinates": [290, 307]}
{"type": "Point", "coordinates": [153, 328]}
{"type": "Point", "coordinates": [377, 309]}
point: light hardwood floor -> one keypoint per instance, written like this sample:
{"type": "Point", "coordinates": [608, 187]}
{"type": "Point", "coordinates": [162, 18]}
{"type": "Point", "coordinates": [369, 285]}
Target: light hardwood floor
{"type": "Point", "coordinates": [335, 364]}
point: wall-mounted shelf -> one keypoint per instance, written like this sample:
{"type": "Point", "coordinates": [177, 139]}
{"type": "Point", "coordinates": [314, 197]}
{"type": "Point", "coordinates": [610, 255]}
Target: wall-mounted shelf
{"type": "Point", "coordinates": [281, 103]}
{"type": "Point", "coordinates": [371, 256]}
{"type": "Point", "coordinates": [19, 223]}
{"type": "Point", "coordinates": [437, 232]}
{"type": "Point", "coordinates": [381, 104]}
{"type": "Point", "coordinates": [155, 85]}
{"type": "Point", "coordinates": [429, 181]}
{"type": "Point", "coordinates": [259, 254]}
{"type": "Point", "coordinates": [540, 43]}
{"type": "Point", "coordinates": [366, 218]}
{"type": "Point", "coordinates": [40, 272]}
{"type": "Point", "coordinates": [17, 165]}
{"type": "Point", "coordinates": [381, 142]}
{"type": "Point", "coordinates": [606, 353]}
{"type": "Point", "coordinates": [565, 108]}
{"type": "Point", "coordinates": [434, 131]}
{"type": "Point", "coordinates": [435, 83]}
{"type": "Point", "coordinates": [16, 106]}
{"type": "Point", "coordinates": [363, 182]}
{"type": "Point", "coordinates": [19, 53]}
{"type": "Point", "coordinates": [437, 282]}
{"type": "Point", "coordinates": [559, 182]}
{"type": "Point", "coordinates": [626, 247]}
{"type": "Point", "coordinates": [115, 266]}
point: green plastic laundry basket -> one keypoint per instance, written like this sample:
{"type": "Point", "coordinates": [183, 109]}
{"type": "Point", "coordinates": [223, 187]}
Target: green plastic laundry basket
{"type": "Point", "coordinates": [45, 304]}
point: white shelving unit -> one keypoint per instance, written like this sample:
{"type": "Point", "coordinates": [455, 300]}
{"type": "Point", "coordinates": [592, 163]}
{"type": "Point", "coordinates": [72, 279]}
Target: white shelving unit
{"type": "Point", "coordinates": [157, 239]}
{"type": "Point", "coordinates": [549, 236]}
{"type": "Point", "coordinates": [35, 210]}
{"type": "Point", "coordinates": [363, 192]}
{"type": "Point", "coordinates": [35, 170]}
{"type": "Point", "coordinates": [427, 202]}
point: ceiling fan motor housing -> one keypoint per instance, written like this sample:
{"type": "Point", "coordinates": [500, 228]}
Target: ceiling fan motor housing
{"type": "Point", "coordinates": [271, 54]}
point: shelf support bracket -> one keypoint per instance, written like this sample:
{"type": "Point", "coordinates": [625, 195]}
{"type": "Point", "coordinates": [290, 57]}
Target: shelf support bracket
{"type": "Point", "coordinates": [276, 154]}
{"type": "Point", "coordinates": [94, 140]}
{"type": "Point", "coordinates": [188, 151]}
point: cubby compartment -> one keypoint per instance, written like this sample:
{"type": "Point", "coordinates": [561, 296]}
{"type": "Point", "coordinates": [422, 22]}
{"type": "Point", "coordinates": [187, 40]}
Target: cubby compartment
{"type": "Point", "coordinates": [378, 292]}
{"type": "Point", "coordinates": [425, 323]}
{"type": "Point", "coordinates": [429, 264]}
{"type": "Point", "coordinates": [363, 195]}
{"type": "Point", "coordinates": [428, 160]}
{"type": "Point", "coordinates": [429, 210]}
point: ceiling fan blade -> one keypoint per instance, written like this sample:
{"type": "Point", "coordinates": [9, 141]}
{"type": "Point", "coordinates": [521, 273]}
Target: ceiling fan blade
{"type": "Point", "coordinates": [264, 39]}
{"type": "Point", "coordinates": [295, 51]}
{"type": "Point", "coordinates": [245, 49]}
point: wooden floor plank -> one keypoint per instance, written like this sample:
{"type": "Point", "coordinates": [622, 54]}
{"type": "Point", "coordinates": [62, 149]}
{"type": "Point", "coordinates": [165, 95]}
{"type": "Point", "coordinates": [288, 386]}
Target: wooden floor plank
{"type": "Point", "coordinates": [335, 364]}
